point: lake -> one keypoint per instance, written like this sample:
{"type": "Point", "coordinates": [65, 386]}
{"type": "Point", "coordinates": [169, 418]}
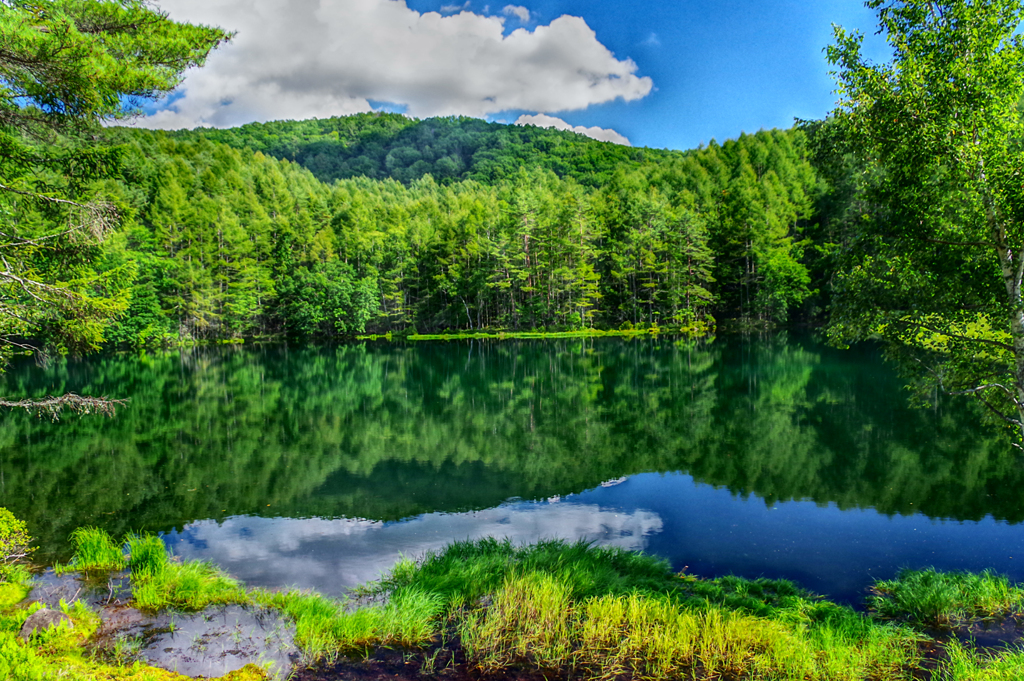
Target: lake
{"type": "Point", "coordinates": [319, 466]}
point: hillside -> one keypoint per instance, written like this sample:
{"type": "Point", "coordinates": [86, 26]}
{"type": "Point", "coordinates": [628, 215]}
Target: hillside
{"type": "Point", "coordinates": [220, 239]}
{"type": "Point", "coordinates": [382, 145]}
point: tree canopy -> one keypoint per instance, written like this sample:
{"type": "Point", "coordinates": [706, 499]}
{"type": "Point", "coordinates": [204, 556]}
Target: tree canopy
{"type": "Point", "coordinates": [66, 66]}
{"type": "Point", "coordinates": [933, 263]}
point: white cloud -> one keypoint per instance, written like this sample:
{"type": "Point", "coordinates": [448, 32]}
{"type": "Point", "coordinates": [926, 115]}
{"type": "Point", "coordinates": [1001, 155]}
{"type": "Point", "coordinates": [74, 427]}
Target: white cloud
{"type": "Point", "coordinates": [451, 9]}
{"type": "Point", "coordinates": [545, 121]}
{"type": "Point", "coordinates": [323, 58]}
{"type": "Point", "coordinates": [653, 40]}
{"type": "Point", "coordinates": [517, 11]}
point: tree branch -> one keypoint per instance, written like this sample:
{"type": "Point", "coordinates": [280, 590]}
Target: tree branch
{"type": "Point", "coordinates": [53, 406]}
{"type": "Point", "coordinates": [998, 344]}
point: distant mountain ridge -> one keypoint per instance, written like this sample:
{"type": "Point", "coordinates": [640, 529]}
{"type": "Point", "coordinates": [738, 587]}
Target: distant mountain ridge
{"type": "Point", "coordinates": [386, 145]}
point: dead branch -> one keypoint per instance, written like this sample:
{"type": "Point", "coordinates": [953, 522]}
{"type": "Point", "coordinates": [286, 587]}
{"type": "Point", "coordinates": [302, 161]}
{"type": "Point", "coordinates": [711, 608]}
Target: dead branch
{"type": "Point", "coordinates": [98, 218]}
{"type": "Point", "coordinates": [53, 406]}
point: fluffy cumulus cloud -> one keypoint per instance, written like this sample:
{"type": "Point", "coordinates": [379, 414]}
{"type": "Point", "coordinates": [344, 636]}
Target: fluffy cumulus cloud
{"type": "Point", "coordinates": [318, 58]}
{"type": "Point", "coordinates": [545, 121]}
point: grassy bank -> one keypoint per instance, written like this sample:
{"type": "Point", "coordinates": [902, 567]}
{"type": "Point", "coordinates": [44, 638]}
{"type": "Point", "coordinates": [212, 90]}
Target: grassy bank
{"type": "Point", "coordinates": [696, 330]}
{"type": "Point", "coordinates": [561, 611]}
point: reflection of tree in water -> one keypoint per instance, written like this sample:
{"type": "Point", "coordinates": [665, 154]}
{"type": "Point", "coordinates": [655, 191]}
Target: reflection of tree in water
{"type": "Point", "coordinates": [385, 432]}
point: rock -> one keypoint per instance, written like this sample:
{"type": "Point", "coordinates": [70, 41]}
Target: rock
{"type": "Point", "coordinates": [44, 619]}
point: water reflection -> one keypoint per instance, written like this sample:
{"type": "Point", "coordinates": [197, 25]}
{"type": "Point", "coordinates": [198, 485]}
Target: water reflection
{"type": "Point", "coordinates": [704, 530]}
{"type": "Point", "coordinates": [332, 555]}
{"type": "Point", "coordinates": [223, 441]}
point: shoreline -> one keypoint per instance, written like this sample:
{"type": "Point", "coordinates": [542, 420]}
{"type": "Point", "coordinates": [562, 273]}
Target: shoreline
{"type": "Point", "coordinates": [491, 608]}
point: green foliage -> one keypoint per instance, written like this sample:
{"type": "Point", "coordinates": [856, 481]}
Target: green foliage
{"type": "Point", "coordinates": [95, 550]}
{"type": "Point", "coordinates": [190, 586]}
{"type": "Point", "coordinates": [65, 65]}
{"type": "Point", "coordinates": [326, 627]}
{"type": "Point", "coordinates": [69, 62]}
{"type": "Point", "coordinates": [932, 597]}
{"type": "Point", "coordinates": [966, 664]}
{"type": "Point", "coordinates": [573, 610]}
{"type": "Point", "coordinates": [21, 663]}
{"type": "Point", "coordinates": [147, 555]}
{"type": "Point", "coordinates": [390, 146]}
{"type": "Point", "coordinates": [931, 259]}
{"type": "Point", "coordinates": [157, 582]}
{"type": "Point", "coordinates": [229, 243]}
{"type": "Point", "coordinates": [14, 543]}
{"type": "Point", "coordinates": [465, 571]}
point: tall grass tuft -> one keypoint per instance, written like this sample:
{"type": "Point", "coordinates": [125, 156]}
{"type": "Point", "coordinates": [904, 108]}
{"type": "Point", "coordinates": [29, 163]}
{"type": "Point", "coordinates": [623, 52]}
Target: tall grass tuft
{"type": "Point", "coordinates": [964, 664]}
{"type": "Point", "coordinates": [528, 621]}
{"type": "Point", "coordinates": [534, 621]}
{"type": "Point", "coordinates": [188, 586]}
{"type": "Point", "coordinates": [324, 628]}
{"type": "Point", "coordinates": [147, 555]}
{"type": "Point", "coordinates": [465, 571]}
{"type": "Point", "coordinates": [932, 597]}
{"type": "Point", "coordinates": [95, 550]}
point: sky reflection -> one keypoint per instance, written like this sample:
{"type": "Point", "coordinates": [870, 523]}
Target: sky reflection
{"type": "Point", "coordinates": [699, 528]}
{"type": "Point", "coordinates": [333, 555]}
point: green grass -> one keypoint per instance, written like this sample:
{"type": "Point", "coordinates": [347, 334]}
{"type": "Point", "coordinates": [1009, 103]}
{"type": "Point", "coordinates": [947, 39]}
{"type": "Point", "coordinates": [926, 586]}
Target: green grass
{"type": "Point", "coordinates": [932, 597]}
{"type": "Point", "coordinates": [94, 550]}
{"type": "Point", "coordinates": [325, 627]}
{"type": "Point", "coordinates": [158, 582]}
{"type": "Point", "coordinates": [969, 665]}
{"type": "Point", "coordinates": [533, 621]}
{"type": "Point", "coordinates": [147, 555]}
{"type": "Point", "coordinates": [465, 571]}
{"type": "Point", "coordinates": [189, 586]}
{"type": "Point", "coordinates": [564, 610]}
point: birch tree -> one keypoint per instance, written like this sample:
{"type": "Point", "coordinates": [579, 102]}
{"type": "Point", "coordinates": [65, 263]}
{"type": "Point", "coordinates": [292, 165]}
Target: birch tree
{"type": "Point", "coordinates": [934, 266]}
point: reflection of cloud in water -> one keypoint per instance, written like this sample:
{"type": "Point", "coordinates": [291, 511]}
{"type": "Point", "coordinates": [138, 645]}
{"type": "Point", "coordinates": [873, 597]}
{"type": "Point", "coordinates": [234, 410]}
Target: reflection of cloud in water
{"type": "Point", "coordinates": [331, 555]}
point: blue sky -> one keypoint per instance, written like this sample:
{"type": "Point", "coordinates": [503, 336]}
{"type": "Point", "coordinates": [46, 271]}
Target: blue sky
{"type": "Point", "coordinates": [663, 73]}
{"type": "Point", "coordinates": [720, 67]}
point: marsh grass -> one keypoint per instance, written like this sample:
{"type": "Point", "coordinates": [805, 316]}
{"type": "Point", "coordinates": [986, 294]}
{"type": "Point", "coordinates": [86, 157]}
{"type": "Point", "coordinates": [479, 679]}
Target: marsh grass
{"type": "Point", "coordinates": [189, 586]}
{"type": "Point", "coordinates": [527, 621]}
{"type": "Point", "coordinates": [941, 598]}
{"type": "Point", "coordinates": [325, 627]}
{"type": "Point", "coordinates": [466, 571]}
{"type": "Point", "coordinates": [571, 610]}
{"type": "Point", "coordinates": [533, 622]}
{"type": "Point", "coordinates": [157, 581]}
{"type": "Point", "coordinates": [147, 555]}
{"type": "Point", "coordinates": [94, 550]}
{"type": "Point", "coordinates": [965, 664]}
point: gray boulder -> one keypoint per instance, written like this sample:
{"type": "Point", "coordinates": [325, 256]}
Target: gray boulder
{"type": "Point", "coordinates": [44, 619]}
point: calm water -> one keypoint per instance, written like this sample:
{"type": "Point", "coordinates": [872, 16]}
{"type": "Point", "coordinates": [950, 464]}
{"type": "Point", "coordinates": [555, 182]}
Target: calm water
{"type": "Point", "coordinates": [318, 467]}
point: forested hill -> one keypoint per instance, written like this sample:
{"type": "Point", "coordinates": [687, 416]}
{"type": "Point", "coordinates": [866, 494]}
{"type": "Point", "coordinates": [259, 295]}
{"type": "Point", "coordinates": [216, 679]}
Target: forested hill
{"type": "Point", "coordinates": [383, 145]}
{"type": "Point", "coordinates": [223, 241]}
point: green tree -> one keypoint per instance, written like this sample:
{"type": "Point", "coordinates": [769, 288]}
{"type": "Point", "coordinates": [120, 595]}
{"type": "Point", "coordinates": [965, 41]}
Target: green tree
{"type": "Point", "coordinates": [936, 265]}
{"type": "Point", "coordinates": [65, 66]}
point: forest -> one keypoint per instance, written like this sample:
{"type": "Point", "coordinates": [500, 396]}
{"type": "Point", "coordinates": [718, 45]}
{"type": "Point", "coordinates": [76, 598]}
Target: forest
{"type": "Point", "coordinates": [897, 218]}
{"type": "Point", "coordinates": [268, 230]}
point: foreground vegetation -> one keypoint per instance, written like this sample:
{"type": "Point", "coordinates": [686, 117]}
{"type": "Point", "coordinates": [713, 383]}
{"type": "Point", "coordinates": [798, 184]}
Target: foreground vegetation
{"type": "Point", "coordinates": [557, 609]}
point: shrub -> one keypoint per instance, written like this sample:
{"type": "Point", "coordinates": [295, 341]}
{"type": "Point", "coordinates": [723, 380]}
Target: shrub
{"type": "Point", "coordinates": [14, 543]}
